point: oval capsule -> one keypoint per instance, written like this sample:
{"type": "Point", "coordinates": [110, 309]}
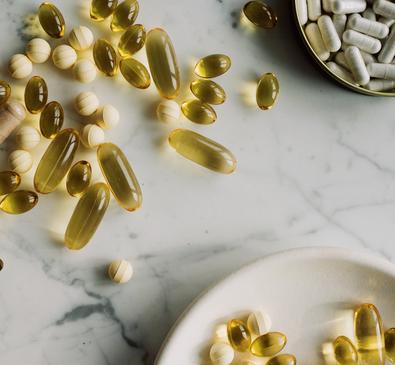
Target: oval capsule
{"type": "Point", "coordinates": [267, 91]}
{"type": "Point", "coordinates": [36, 94]}
{"type": "Point", "coordinates": [87, 216]}
{"type": "Point", "coordinates": [56, 161]}
{"type": "Point", "coordinates": [269, 344]}
{"type": "Point", "coordinates": [9, 181]}
{"type": "Point", "coordinates": [208, 91]}
{"type": "Point", "coordinates": [124, 15]}
{"type": "Point", "coordinates": [239, 336]}
{"type": "Point", "coordinates": [79, 178]}
{"type": "Point", "coordinates": [260, 14]}
{"type": "Point", "coordinates": [345, 351]}
{"type": "Point", "coordinates": [5, 92]}
{"type": "Point", "coordinates": [132, 40]}
{"type": "Point", "coordinates": [389, 338]}
{"type": "Point", "coordinates": [102, 9]}
{"type": "Point", "coordinates": [120, 177]}
{"type": "Point", "coordinates": [163, 63]}
{"type": "Point", "coordinates": [51, 119]}
{"type": "Point", "coordinates": [198, 112]}
{"type": "Point", "coordinates": [105, 57]}
{"type": "Point", "coordinates": [51, 19]}
{"type": "Point", "coordinates": [213, 66]}
{"type": "Point", "coordinates": [203, 151]}
{"type": "Point", "coordinates": [135, 73]}
{"type": "Point", "coordinates": [19, 202]}
{"type": "Point", "coordinates": [283, 359]}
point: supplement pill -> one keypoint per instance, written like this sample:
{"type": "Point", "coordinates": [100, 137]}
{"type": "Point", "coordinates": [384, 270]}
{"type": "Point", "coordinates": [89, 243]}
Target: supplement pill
{"type": "Point", "coordinates": [102, 9]}
{"type": "Point", "coordinates": [11, 115]}
{"type": "Point", "coordinates": [339, 21]}
{"type": "Point", "coordinates": [267, 91]}
{"type": "Point", "coordinates": [221, 354]}
{"type": "Point", "coordinates": [19, 202]}
{"type": "Point", "coordinates": [368, 27]}
{"type": "Point", "coordinates": [259, 323]}
{"type": "Point", "coordinates": [20, 161]}
{"type": "Point", "coordinates": [198, 112]}
{"type": "Point", "coordinates": [387, 54]}
{"type": "Point", "coordinates": [105, 57]}
{"type": "Point", "coordinates": [120, 271]}
{"type": "Point", "coordinates": [20, 66]}
{"type": "Point", "coordinates": [51, 119]}
{"type": "Point", "coordinates": [269, 344]}
{"type": "Point", "coordinates": [107, 117]}
{"type": "Point", "coordinates": [313, 34]}
{"type": "Point", "coordinates": [36, 94]}
{"type": "Point", "coordinates": [208, 91]}
{"type": "Point", "coordinates": [124, 15]}
{"type": "Point", "coordinates": [38, 50]}
{"type": "Point", "coordinates": [341, 72]}
{"type": "Point", "coordinates": [9, 182]}
{"type": "Point", "coordinates": [5, 92]}
{"type": "Point", "coordinates": [369, 14]}
{"type": "Point", "coordinates": [389, 337]}
{"type": "Point", "coordinates": [314, 9]}
{"type": "Point", "coordinates": [213, 66]}
{"type": "Point", "coordinates": [168, 111]}
{"type": "Point", "coordinates": [221, 333]}
{"type": "Point", "coordinates": [384, 8]}
{"type": "Point", "coordinates": [86, 103]}
{"type": "Point", "coordinates": [345, 351]}
{"type": "Point", "coordinates": [283, 359]}
{"type": "Point", "coordinates": [387, 21]}
{"type": "Point", "coordinates": [260, 14]}
{"type": "Point", "coordinates": [348, 6]}
{"type": "Point", "coordinates": [51, 19]}
{"type": "Point", "coordinates": [135, 73]}
{"type": "Point", "coordinates": [357, 65]}
{"type": "Point", "coordinates": [381, 85]}
{"type": "Point", "coordinates": [340, 59]}
{"type": "Point", "coordinates": [64, 57]}
{"type": "Point", "coordinates": [239, 335]}
{"type": "Point", "coordinates": [362, 41]}
{"type": "Point", "coordinates": [384, 71]}
{"type": "Point", "coordinates": [79, 178]}
{"type": "Point", "coordinates": [27, 137]}
{"type": "Point", "coordinates": [132, 40]}
{"type": "Point", "coordinates": [92, 135]}
{"type": "Point", "coordinates": [85, 71]}
{"type": "Point", "coordinates": [81, 38]}
{"type": "Point", "coordinates": [301, 10]}
{"type": "Point", "coordinates": [329, 34]}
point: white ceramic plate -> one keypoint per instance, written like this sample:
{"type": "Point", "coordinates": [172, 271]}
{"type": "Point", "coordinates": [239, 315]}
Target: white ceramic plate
{"type": "Point", "coordinates": [309, 294]}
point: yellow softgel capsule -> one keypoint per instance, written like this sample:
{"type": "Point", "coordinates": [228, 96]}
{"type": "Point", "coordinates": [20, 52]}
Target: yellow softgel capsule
{"type": "Point", "coordinates": [56, 161]}
{"type": "Point", "coordinates": [51, 19]}
{"type": "Point", "coordinates": [79, 178]}
{"type": "Point", "coordinates": [105, 57]}
{"type": "Point", "coordinates": [203, 151]}
{"type": "Point", "coordinates": [51, 119]}
{"type": "Point", "coordinates": [199, 112]}
{"type": "Point", "coordinates": [87, 216]}
{"type": "Point", "coordinates": [389, 338]}
{"type": "Point", "coordinates": [213, 66]}
{"type": "Point", "coordinates": [239, 336]}
{"type": "Point", "coordinates": [36, 94]}
{"type": "Point", "coordinates": [9, 181]}
{"type": "Point", "coordinates": [269, 344]}
{"type": "Point", "coordinates": [260, 14]}
{"type": "Point", "coordinates": [283, 359]}
{"type": "Point", "coordinates": [371, 357]}
{"type": "Point", "coordinates": [345, 351]}
{"type": "Point", "coordinates": [135, 73]}
{"type": "Point", "coordinates": [132, 40]}
{"type": "Point", "coordinates": [124, 15]}
{"type": "Point", "coordinates": [267, 91]}
{"type": "Point", "coordinates": [163, 63]}
{"type": "Point", "coordinates": [119, 176]}
{"type": "Point", "coordinates": [208, 91]}
{"type": "Point", "coordinates": [19, 202]}
{"type": "Point", "coordinates": [102, 9]}
{"type": "Point", "coordinates": [5, 92]}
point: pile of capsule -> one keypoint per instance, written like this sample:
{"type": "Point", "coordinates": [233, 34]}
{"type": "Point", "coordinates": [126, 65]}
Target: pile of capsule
{"type": "Point", "coordinates": [355, 38]}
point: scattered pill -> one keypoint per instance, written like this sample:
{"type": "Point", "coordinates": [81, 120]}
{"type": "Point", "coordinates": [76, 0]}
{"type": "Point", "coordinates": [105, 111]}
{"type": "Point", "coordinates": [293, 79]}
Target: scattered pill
{"type": "Point", "coordinates": [64, 57]}
{"type": "Point", "coordinates": [212, 66]}
{"type": "Point", "coordinates": [81, 38]}
{"type": "Point", "coordinates": [362, 41]}
{"type": "Point", "coordinates": [221, 333]}
{"type": "Point", "coordinates": [20, 161]}
{"type": "Point", "coordinates": [239, 335]}
{"type": "Point", "coordinates": [269, 344]}
{"type": "Point", "coordinates": [79, 178]}
{"type": "Point", "coordinates": [120, 271]}
{"type": "Point", "coordinates": [328, 33]}
{"type": "Point", "coordinates": [168, 111]}
{"type": "Point", "coordinates": [345, 351]}
{"type": "Point", "coordinates": [11, 115]}
{"type": "Point", "coordinates": [5, 92]}
{"type": "Point", "coordinates": [85, 71]}
{"type": "Point", "coordinates": [124, 15]}
{"type": "Point", "coordinates": [107, 117]}
{"type": "Point", "coordinates": [92, 135]}
{"type": "Point", "coordinates": [135, 73]}
{"type": "Point", "coordinates": [36, 94]}
{"type": "Point", "coordinates": [132, 40]}
{"type": "Point", "coordinates": [389, 337]}
{"type": "Point", "coordinates": [102, 9]}
{"type": "Point", "coordinates": [283, 359]}
{"type": "Point", "coordinates": [198, 112]}
{"type": "Point", "coordinates": [51, 19]}
{"type": "Point", "coordinates": [20, 66]}
{"type": "Point", "coordinates": [38, 50]}
{"type": "Point", "coordinates": [221, 354]}
{"type": "Point", "coordinates": [267, 91]}
{"type": "Point", "coordinates": [208, 91]}
{"type": "Point", "coordinates": [260, 14]}
{"type": "Point", "coordinates": [27, 137]}
{"type": "Point", "coordinates": [259, 323]}
{"type": "Point", "coordinates": [51, 119]}
{"type": "Point", "coordinates": [86, 103]}
{"type": "Point", "coordinates": [19, 202]}
{"type": "Point", "coordinates": [357, 65]}
{"type": "Point", "coordinates": [314, 9]}
{"type": "Point", "coordinates": [313, 34]}
{"type": "Point", "coordinates": [9, 182]}
{"type": "Point", "coordinates": [105, 57]}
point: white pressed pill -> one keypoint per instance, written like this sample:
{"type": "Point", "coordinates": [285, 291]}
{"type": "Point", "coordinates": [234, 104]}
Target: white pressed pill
{"type": "Point", "coordinates": [38, 50]}
{"type": "Point", "coordinates": [120, 271]}
{"type": "Point", "coordinates": [341, 72]}
{"type": "Point", "coordinates": [221, 333]}
{"type": "Point", "coordinates": [357, 65]}
{"type": "Point", "coordinates": [384, 8]}
{"type": "Point", "coordinates": [387, 21]}
{"type": "Point", "coordinates": [168, 111]}
{"type": "Point", "coordinates": [348, 6]}
{"type": "Point", "coordinates": [107, 117]}
{"type": "Point", "coordinates": [27, 137]}
{"type": "Point", "coordinates": [301, 9]}
{"type": "Point", "coordinates": [387, 53]}
{"type": "Point", "coordinates": [384, 71]}
{"type": "Point", "coordinates": [369, 27]}
{"type": "Point", "coordinates": [327, 5]}
{"type": "Point", "coordinates": [340, 59]}
{"type": "Point", "coordinates": [369, 14]}
{"type": "Point", "coordinates": [314, 9]}
{"type": "Point", "coordinates": [86, 103]}
{"type": "Point", "coordinates": [339, 21]}
{"type": "Point", "coordinates": [92, 135]}
{"type": "Point", "coordinates": [314, 36]}
{"type": "Point", "coordinates": [20, 161]}
{"type": "Point", "coordinates": [362, 41]}
{"type": "Point", "coordinates": [381, 85]}
{"type": "Point", "coordinates": [328, 33]}
{"type": "Point", "coordinates": [20, 66]}
{"type": "Point", "coordinates": [81, 38]}
{"type": "Point", "coordinates": [85, 71]}
{"type": "Point", "coordinates": [11, 115]}
{"type": "Point", "coordinates": [221, 354]}
{"type": "Point", "coordinates": [259, 323]}
{"type": "Point", "coordinates": [64, 57]}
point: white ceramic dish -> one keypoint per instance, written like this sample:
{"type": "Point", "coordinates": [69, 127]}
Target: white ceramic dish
{"type": "Point", "coordinates": [306, 292]}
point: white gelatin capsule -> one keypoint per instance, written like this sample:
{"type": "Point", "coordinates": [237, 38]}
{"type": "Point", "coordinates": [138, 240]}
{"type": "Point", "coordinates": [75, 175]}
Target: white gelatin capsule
{"type": "Point", "coordinates": [340, 59]}
{"type": "Point", "coordinates": [38, 50]}
{"type": "Point", "coordinates": [314, 36]}
{"type": "Point", "coordinates": [301, 6]}
{"type": "Point", "coordinates": [328, 33]}
{"type": "Point", "coordinates": [387, 21]}
{"type": "Point", "coordinates": [20, 161]}
{"type": "Point", "coordinates": [362, 41]}
{"type": "Point", "coordinates": [348, 6]}
{"type": "Point", "coordinates": [327, 5]}
{"type": "Point", "coordinates": [384, 8]}
{"type": "Point", "coordinates": [341, 72]}
{"type": "Point", "coordinates": [381, 85]}
{"type": "Point", "coordinates": [339, 21]}
{"type": "Point", "coordinates": [384, 71]}
{"type": "Point", "coordinates": [369, 14]}
{"type": "Point", "coordinates": [314, 9]}
{"type": "Point", "coordinates": [387, 53]}
{"type": "Point", "coordinates": [369, 27]}
{"type": "Point", "coordinates": [367, 57]}
{"type": "Point", "coordinates": [221, 354]}
{"type": "Point", "coordinates": [357, 65]}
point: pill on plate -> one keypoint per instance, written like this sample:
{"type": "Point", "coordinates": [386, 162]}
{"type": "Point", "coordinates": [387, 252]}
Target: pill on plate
{"type": "Point", "coordinates": [314, 36]}
{"type": "Point", "coordinates": [357, 65]}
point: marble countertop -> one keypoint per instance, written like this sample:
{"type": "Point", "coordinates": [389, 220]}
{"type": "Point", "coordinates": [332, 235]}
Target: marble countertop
{"type": "Point", "coordinates": [317, 170]}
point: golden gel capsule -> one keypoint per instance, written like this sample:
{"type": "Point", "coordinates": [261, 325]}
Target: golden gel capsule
{"type": "Point", "coordinates": [208, 91]}
{"type": "Point", "coordinates": [124, 15]}
{"type": "Point", "coordinates": [9, 182]}
{"type": "Point", "coordinates": [19, 202]}
{"type": "Point", "coordinates": [5, 92]}
{"type": "Point", "coordinates": [212, 66]}
{"type": "Point", "coordinates": [56, 161]}
{"type": "Point", "coordinates": [269, 344]}
{"type": "Point", "coordinates": [283, 359]}
{"type": "Point", "coordinates": [119, 176]}
{"type": "Point", "coordinates": [198, 112]}
{"type": "Point", "coordinates": [239, 336]}
{"type": "Point", "coordinates": [260, 14]}
{"type": "Point", "coordinates": [105, 57]}
{"type": "Point", "coordinates": [371, 357]}
{"type": "Point", "coordinates": [132, 40]}
{"type": "Point", "coordinates": [203, 151]}
{"type": "Point", "coordinates": [79, 178]}
{"type": "Point", "coordinates": [267, 91]}
{"type": "Point", "coordinates": [51, 119]}
{"type": "Point", "coordinates": [87, 216]}
{"type": "Point", "coordinates": [102, 9]}
{"type": "Point", "coordinates": [36, 94]}
{"type": "Point", "coordinates": [163, 63]}
{"type": "Point", "coordinates": [389, 337]}
{"type": "Point", "coordinates": [135, 73]}
{"type": "Point", "coordinates": [51, 19]}
{"type": "Point", "coordinates": [345, 351]}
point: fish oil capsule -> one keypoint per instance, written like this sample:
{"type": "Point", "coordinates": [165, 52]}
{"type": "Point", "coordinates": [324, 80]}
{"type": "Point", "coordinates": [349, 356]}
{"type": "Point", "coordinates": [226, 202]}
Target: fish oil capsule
{"type": "Point", "coordinates": [19, 202]}
{"type": "Point", "coordinates": [362, 41]}
{"type": "Point", "coordinates": [5, 92]}
{"type": "Point", "coordinates": [357, 65]}
{"type": "Point", "coordinates": [163, 63]}
{"type": "Point", "coordinates": [348, 6]}
{"type": "Point", "coordinates": [51, 119]}
{"type": "Point", "coordinates": [301, 6]}
{"type": "Point", "coordinates": [368, 27]}
{"type": "Point", "coordinates": [135, 73]}
{"type": "Point", "coordinates": [267, 91]}
{"type": "Point", "coordinates": [339, 21]}
{"type": "Point", "coordinates": [102, 9]}
{"type": "Point", "coordinates": [269, 344]}
{"type": "Point", "coordinates": [341, 72]}
{"type": "Point", "coordinates": [79, 178]}
{"type": "Point", "coordinates": [119, 176]}
{"type": "Point", "coordinates": [208, 91]}
{"type": "Point", "coordinates": [51, 19]}
{"type": "Point", "coordinates": [384, 71]}
{"type": "Point", "coordinates": [389, 337]}
{"type": "Point", "coordinates": [20, 66]}
{"type": "Point", "coordinates": [329, 34]}
{"type": "Point", "coordinates": [384, 8]}
{"type": "Point", "coordinates": [387, 54]}
{"type": "Point", "coordinates": [124, 15]}
{"type": "Point", "coordinates": [27, 137]}
{"type": "Point", "coordinates": [56, 161]}
{"type": "Point", "coordinates": [314, 9]}
{"type": "Point", "coordinates": [38, 50]}
{"type": "Point", "coordinates": [9, 182]}
{"type": "Point", "coordinates": [260, 14]}
{"type": "Point", "coordinates": [203, 151]}
{"type": "Point", "coordinates": [221, 353]}
{"type": "Point", "coordinates": [105, 57]}
{"type": "Point", "coordinates": [213, 66]}
{"type": "Point", "coordinates": [284, 359]}
{"type": "Point", "coordinates": [313, 34]}
{"type": "Point", "coordinates": [11, 115]}
{"type": "Point", "coordinates": [87, 216]}
{"type": "Point", "coordinates": [199, 112]}
{"type": "Point", "coordinates": [36, 94]}
{"type": "Point", "coordinates": [345, 351]}
{"type": "Point", "coordinates": [132, 40]}
{"type": "Point", "coordinates": [239, 335]}
{"type": "Point", "coordinates": [20, 161]}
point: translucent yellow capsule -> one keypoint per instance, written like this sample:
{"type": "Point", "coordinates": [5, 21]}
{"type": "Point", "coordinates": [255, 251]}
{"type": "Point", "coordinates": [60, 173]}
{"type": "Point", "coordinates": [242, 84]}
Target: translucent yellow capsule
{"type": "Point", "coordinates": [79, 178]}
{"type": "Point", "coordinates": [87, 216]}
{"type": "Point", "coordinates": [51, 119]}
{"type": "Point", "coordinates": [267, 91]}
{"type": "Point", "coordinates": [19, 202]}
{"type": "Point", "coordinates": [124, 15]}
{"type": "Point", "coordinates": [203, 151]}
{"type": "Point", "coordinates": [345, 351]}
{"type": "Point", "coordinates": [389, 337]}
{"type": "Point", "coordinates": [239, 336]}
{"type": "Point", "coordinates": [56, 161]}
{"type": "Point", "coordinates": [213, 66]}
{"type": "Point", "coordinates": [198, 112]}
{"type": "Point", "coordinates": [119, 176]}
{"type": "Point", "coordinates": [9, 182]}
{"type": "Point", "coordinates": [102, 9]}
{"type": "Point", "coordinates": [51, 19]}
{"type": "Point", "coordinates": [5, 92]}
{"type": "Point", "coordinates": [208, 91]}
{"type": "Point", "coordinates": [260, 14]}
{"type": "Point", "coordinates": [269, 344]}
{"type": "Point", "coordinates": [135, 73]}
{"type": "Point", "coordinates": [163, 63]}
{"type": "Point", "coordinates": [36, 94]}
{"type": "Point", "coordinates": [371, 357]}
{"type": "Point", "coordinates": [105, 57]}
{"type": "Point", "coordinates": [132, 40]}
{"type": "Point", "coordinates": [283, 359]}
